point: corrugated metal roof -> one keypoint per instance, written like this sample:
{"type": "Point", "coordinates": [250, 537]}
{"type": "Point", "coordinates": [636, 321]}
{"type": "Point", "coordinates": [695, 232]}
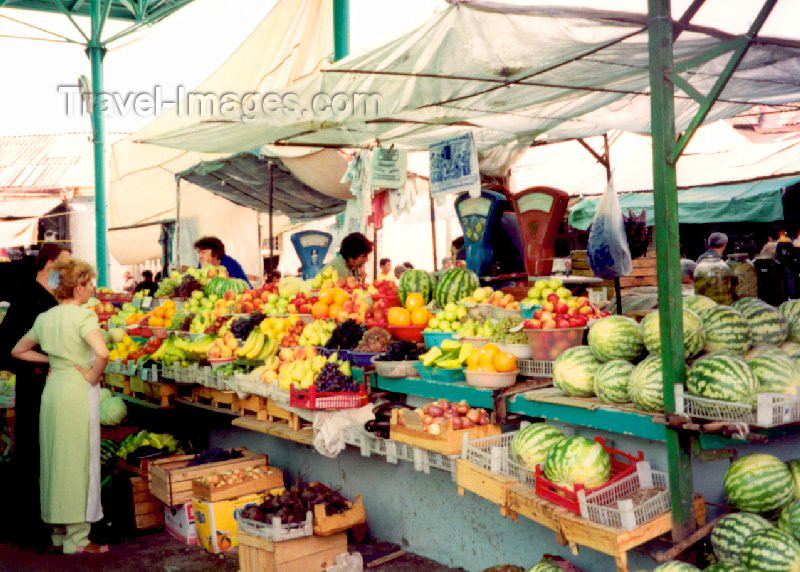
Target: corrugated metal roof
{"type": "Point", "coordinates": [47, 161]}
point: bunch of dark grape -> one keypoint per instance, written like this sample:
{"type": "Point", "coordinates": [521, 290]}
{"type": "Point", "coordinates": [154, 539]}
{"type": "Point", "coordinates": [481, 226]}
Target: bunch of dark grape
{"type": "Point", "coordinates": [187, 322]}
{"type": "Point", "coordinates": [241, 327]}
{"type": "Point", "coordinates": [331, 379]}
{"type": "Point", "coordinates": [402, 351]}
{"type": "Point", "coordinates": [188, 285]}
{"type": "Point", "coordinates": [346, 336]}
{"type": "Point", "coordinates": [217, 324]}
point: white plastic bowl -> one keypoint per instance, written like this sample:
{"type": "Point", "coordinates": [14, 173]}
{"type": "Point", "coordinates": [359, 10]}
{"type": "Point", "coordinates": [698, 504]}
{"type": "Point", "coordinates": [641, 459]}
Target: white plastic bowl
{"type": "Point", "coordinates": [520, 351]}
{"type": "Point", "coordinates": [476, 343]}
{"type": "Point", "coordinates": [491, 380]}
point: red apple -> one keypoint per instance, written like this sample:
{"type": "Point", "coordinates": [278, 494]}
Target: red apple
{"type": "Point", "coordinates": [547, 316]}
{"type": "Point", "coordinates": [584, 310]}
{"type": "Point", "coordinates": [548, 306]}
{"type": "Point", "coordinates": [561, 308]}
{"type": "Point", "coordinates": [553, 298]}
{"type": "Point", "coordinates": [562, 324]}
{"type": "Point", "coordinates": [574, 323]}
{"type": "Point", "coordinates": [537, 315]}
{"type": "Point", "coordinates": [548, 324]}
{"type": "Point", "coordinates": [536, 325]}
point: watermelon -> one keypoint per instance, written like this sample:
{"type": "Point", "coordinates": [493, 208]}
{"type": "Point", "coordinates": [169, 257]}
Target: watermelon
{"type": "Point", "coordinates": [791, 348]}
{"type": "Point", "coordinates": [722, 376]}
{"type": "Point", "coordinates": [762, 351]}
{"type": "Point", "coordinates": [725, 330]}
{"type": "Point", "coordinates": [771, 550]}
{"type": "Point", "coordinates": [455, 284]}
{"type": "Point", "coordinates": [776, 373]}
{"type": "Point", "coordinates": [790, 310]}
{"type": "Point", "coordinates": [611, 381]}
{"type": "Point", "coordinates": [573, 371]}
{"type": "Point", "coordinates": [794, 468]}
{"type": "Point", "coordinates": [732, 530]}
{"type": "Point", "coordinates": [544, 567]}
{"type": "Point", "coordinates": [218, 286]}
{"type": "Point", "coordinates": [616, 337]}
{"type": "Point", "coordinates": [725, 567]}
{"type": "Point", "coordinates": [646, 384]}
{"type": "Point", "coordinates": [531, 444]}
{"type": "Point", "coordinates": [577, 461]}
{"type": "Point", "coordinates": [698, 303]}
{"type": "Point", "coordinates": [675, 566]}
{"type": "Point", "coordinates": [790, 519]}
{"type": "Point", "coordinates": [415, 280]}
{"type": "Point", "coordinates": [767, 325]}
{"type": "Point", "coordinates": [747, 301]}
{"type": "Point", "coordinates": [693, 337]}
{"type": "Point", "coordinates": [759, 483]}
{"type": "Point", "coordinates": [108, 451]}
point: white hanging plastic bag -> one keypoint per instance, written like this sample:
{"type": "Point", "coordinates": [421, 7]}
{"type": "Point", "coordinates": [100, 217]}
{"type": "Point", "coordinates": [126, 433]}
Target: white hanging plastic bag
{"type": "Point", "coordinates": [609, 254]}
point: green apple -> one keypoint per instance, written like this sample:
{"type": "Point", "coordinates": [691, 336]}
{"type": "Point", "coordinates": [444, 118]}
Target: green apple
{"type": "Point", "coordinates": [433, 324]}
{"type": "Point", "coordinates": [546, 292]}
{"type": "Point", "coordinates": [554, 283]}
{"type": "Point", "coordinates": [455, 326]}
{"type": "Point", "coordinates": [461, 312]}
{"type": "Point", "coordinates": [564, 293]}
{"type": "Point", "coordinates": [451, 307]}
{"type": "Point", "coordinates": [445, 327]}
{"type": "Point", "coordinates": [479, 295]}
{"type": "Point", "coordinates": [440, 316]}
{"type": "Point", "coordinates": [451, 316]}
{"type": "Point", "coordinates": [197, 294]}
{"type": "Point", "coordinates": [540, 284]}
{"type": "Point", "coordinates": [534, 292]}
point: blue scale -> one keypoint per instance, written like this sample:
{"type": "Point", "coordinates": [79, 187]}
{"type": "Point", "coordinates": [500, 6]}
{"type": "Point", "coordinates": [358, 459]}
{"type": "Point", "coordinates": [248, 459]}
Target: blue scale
{"type": "Point", "coordinates": [479, 217]}
{"type": "Point", "coordinates": [312, 247]}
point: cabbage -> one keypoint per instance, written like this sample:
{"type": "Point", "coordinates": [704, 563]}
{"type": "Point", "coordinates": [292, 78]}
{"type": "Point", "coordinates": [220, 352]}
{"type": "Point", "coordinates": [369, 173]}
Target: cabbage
{"type": "Point", "coordinates": [112, 411]}
{"type": "Point", "coordinates": [105, 393]}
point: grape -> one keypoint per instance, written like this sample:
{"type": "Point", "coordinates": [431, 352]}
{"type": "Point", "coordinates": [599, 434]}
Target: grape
{"type": "Point", "coordinates": [331, 379]}
{"type": "Point", "coordinates": [241, 327]}
{"type": "Point", "coordinates": [401, 351]}
{"type": "Point", "coordinates": [504, 336]}
{"type": "Point", "coordinates": [346, 336]}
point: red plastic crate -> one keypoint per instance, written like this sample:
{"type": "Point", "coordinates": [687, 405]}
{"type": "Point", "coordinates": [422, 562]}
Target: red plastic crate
{"type": "Point", "coordinates": [622, 465]}
{"type": "Point", "coordinates": [312, 399]}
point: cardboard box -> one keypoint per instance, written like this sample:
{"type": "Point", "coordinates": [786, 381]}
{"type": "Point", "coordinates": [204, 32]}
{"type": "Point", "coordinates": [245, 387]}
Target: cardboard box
{"type": "Point", "coordinates": [217, 529]}
{"type": "Point", "coordinates": [179, 522]}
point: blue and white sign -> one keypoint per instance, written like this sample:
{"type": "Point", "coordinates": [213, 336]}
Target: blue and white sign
{"type": "Point", "coordinates": [388, 168]}
{"type": "Point", "coordinates": [454, 166]}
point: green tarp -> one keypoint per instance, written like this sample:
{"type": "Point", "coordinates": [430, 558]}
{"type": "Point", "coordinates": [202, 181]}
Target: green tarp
{"type": "Point", "coordinates": [752, 201]}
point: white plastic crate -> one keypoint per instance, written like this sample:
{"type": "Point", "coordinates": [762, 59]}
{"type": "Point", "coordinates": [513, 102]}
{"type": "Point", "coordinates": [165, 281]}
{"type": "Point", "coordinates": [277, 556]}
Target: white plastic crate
{"type": "Point", "coordinates": [275, 531]}
{"type": "Point", "coordinates": [612, 506]}
{"type": "Point", "coordinates": [425, 460]}
{"type": "Point", "coordinates": [771, 409]}
{"type": "Point", "coordinates": [367, 442]}
{"type": "Point", "coordinates": [149, 373]}
{"type": "Point", "coordinates": [489, 453]}
{"type": "Point", "coordinates": [398, 452]}
{"type": "Point", "coordinates": [535, 368]}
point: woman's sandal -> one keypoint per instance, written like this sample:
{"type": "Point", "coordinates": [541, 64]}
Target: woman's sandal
{"type": "Point", "coordinates": [92, 548]}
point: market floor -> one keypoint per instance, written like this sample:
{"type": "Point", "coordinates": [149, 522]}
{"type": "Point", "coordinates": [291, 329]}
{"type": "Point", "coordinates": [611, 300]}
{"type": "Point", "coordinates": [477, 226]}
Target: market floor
{"type": "Point", "coordinates": [159, 552]}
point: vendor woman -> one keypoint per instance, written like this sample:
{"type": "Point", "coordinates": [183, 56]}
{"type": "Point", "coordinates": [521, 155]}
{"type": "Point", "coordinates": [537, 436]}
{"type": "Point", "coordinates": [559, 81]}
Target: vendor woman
{"type": "Point", "coordinates": [352, 255]}
{"type": "Point", "coordinates": [69, 426]}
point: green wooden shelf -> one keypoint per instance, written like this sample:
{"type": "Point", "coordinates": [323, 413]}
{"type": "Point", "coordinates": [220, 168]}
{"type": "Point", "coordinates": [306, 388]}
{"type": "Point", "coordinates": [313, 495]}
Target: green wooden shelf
{"type": "Point", "coordinates": [436, 390]}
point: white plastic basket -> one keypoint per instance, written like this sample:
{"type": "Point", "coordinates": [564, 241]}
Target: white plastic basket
{"type": "Point", "coordinates": [275, 531]}
{"type": "Point", "coordinates": [612, 506]}
{"type": "Point", "coordinates": [771, 409]}
{"type": "Point", "coordinates": [489, 453]}
{"type": "Point", "coordinates": [367, 442]}
{"type": "Point", "coordinates": [535, 368]}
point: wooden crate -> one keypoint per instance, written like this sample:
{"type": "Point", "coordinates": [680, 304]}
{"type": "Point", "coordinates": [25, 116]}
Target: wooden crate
{"type": "Point", "coordinates": [522, 500]}
{"type": "Point", "coordinates": [275, 412]}
{"type": "Point", "coordinates": [160, 394]}
{"type": "Point", "coordinates": [485, 484]}
{"type": "Point", "coordinates": [447, 443]}
{"type": "Point", "coordinates": [643, 274]}
{"type": "Point", "coordinates": [171, 478]}
{"type": "Point", "coordinates": [325, 525]}
{"type": "Point", "coordinates": [273, 479]}
{"type": "Point", "coordinates": [117, 383]}
{"type": "Point", "coordinates": [252, 404]}
{"type": "Point", "coordinates": [308, 554]}
{"type": "Point", "coordinates": [148, 511]}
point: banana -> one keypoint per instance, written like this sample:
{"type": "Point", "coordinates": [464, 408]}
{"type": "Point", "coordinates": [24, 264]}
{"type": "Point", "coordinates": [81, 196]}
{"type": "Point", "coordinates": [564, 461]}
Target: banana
{"type": "Point", "coordinates": [248, 344]}
{"type": "Point", "coordinates": [257, 347]}
{"type": "Point", "coordinates": [269, 349]}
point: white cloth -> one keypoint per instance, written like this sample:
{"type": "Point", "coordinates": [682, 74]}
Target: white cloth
{"type": "Point", "coordinates": [329, 428]}
{"type": "Point", "coordinates": [94, 508]}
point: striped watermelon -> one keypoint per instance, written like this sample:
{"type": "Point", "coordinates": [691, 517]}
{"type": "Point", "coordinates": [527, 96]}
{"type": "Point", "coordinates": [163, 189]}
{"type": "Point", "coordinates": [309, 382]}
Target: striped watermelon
{"type": "Point", "coordinates": [577, 461]}
{"type": "Point", "coordinates": [675, 566]}
{"type": "Point", "coordinates": [794, 468]}
{"type": "Point", "coordinates": [616, 337]}
{"type": "Point", "coordinates": [725, 330]}
{"type": "Point", "coordinates": [725, 567]}
{"type": "Point", "coordinates": [544, 567]}
{"type": "Point", "coordinates": [771, 550]}
{"type": "Point", "coordinates": [573, 371]}
{"type": "Point", "coordinates": [693, 337]}
{"type": "Point", "coordinates": [759, 483]}
{"type": "Point", "coordinates": [763, 351]}
{"type": "Point", "coordinates": [108, 451]}
{"type": "Point", "coordinates": [776, 373]}
{"type": "Point", "coordinates": [646, 384]}
{"type": "Point", "coordinates": [790, 310]}
{"type": "Point", "coordinates": [747, 301]}
{"type": "Point", "coordinates": [767, 325]}
{"type": "Point", "coordinates": [732, 530]}
{"type": "Point", "coordinates": [611, 381]}
{"type": "Point", "coordinates": [415, 280]}
{"type": "Point", "coordinates": [697, 303]}
{"type": "Point", "coordinates": [455, 284]}
{"type": "Point", "coordinates": [531, 444]}
{"type": "Point", "coordinates": [790, 519]}
{"type": "Point", "coordinates": [722, 376]}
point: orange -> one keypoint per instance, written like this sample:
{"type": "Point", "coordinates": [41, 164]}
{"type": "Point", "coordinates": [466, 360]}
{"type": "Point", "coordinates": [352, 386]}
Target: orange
{"type": "Point", "coordinates": [420, 316]}
{"type": "Point", "coordinates": [319, 310]}
{"type": "Point", "coordinates": [326, 296]}
{"type": "Point", "coordinates": [505, 362]}
{"type": "Point", "coordinates": [402, 317]}
{"type": "Point", "coordinates": [340, 296]}
{"type": "Point", "coordinates": [486, 368]}
{"type": "Point", "coordinates": [487, 354]}
{"type": "Point", "coordinates": [473, 361]}
{"type": "Point", "coordinates": [333, 311]}
{"type": "Point", "coordinates": [415, 300]}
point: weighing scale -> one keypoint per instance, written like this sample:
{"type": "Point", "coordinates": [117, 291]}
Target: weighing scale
{"type": "Point", "coordinates": [540, 211]}
{"type": "Point", "coordinates": [312, 247]}
{"type": "Point", "coordinates": [480, 218]}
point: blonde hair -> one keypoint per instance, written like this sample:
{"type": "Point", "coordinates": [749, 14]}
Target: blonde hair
{"type": "Point", "coordinates": [71, 273]}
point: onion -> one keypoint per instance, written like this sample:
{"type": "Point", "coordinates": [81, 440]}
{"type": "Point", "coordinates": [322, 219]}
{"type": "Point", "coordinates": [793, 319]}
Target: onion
{"type": "Point", "coordinates": [435, 411]}
{"type": "Point", "coordinates": [456, 423]}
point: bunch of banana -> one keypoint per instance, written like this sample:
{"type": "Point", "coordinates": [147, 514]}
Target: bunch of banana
{"type": "Point", "coordinates": [257, 346]}
{"type": "Point", "coordinates": [168, 353]}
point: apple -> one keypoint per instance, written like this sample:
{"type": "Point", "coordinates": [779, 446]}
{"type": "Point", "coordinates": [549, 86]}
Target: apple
{"type": "Point", "coordinates": [553, 298]}
{"type": "Point", "coordinates": [548, 325]}
{"type": "Point", "coordinates": [548, 307]}
{"type": "Point", "coordinates": [537, 315]}
{"type": "Point", "coordinates": [564, 292]}
{"type": "Point", "coordinates": [535, 325]}
{"type": "Point", "coordinates": [534, 292]}
{"type": "Point", "coordinates": [584, 310]}
{"type": "Point", "coordinates": [580, 319]}
{"type": "Point", "coordinates": [562, 324]}
{"type": "Point", "coordinates": [540, 284]}
{"type": "Point", "coordinates": [546, 292]}
{"type": "Point", "coordinates": [547, 315]}
{"type": "Point", "coordinates": [561, 308]}
{"type": "Point", "coordinates": [574, 323]}
{"type": "Point", "coordinates": [573, 311]}
{"type": "Point", "coordinates": [554, 283]}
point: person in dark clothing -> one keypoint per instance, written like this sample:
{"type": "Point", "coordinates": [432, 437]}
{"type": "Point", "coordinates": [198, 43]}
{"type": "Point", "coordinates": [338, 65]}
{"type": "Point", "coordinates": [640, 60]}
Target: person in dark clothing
{"type": "Point", "coordinates": [147, 284]}
{"type": "Point", "coordinates": [211, 250]}
{"type": "Point", "coordinates": [717, 241]}
{"type": "Point", "coordinates": [29, 294]}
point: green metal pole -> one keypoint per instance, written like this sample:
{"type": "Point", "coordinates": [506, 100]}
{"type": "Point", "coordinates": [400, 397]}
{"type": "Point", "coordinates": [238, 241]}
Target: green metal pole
{"type": "Point", "coordinates": [341, 29]}
{"type": "Point", "coordinates": [662, 113]}
{"type": "Point", "coordinates": [96, 51]}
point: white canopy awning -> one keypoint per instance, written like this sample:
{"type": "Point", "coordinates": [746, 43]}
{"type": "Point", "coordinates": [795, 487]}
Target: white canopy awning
{"type": "Point", "coordinates": [27, 207]}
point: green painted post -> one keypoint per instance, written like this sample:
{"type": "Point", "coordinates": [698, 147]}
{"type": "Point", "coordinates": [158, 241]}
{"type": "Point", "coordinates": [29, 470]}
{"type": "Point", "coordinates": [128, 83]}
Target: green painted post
{"type": "Point", "coordinates": [96, 51]}
{"type": "Point", "coordinates": [662, 113]}
{"type": "Point", "coordinates": [341, 29]}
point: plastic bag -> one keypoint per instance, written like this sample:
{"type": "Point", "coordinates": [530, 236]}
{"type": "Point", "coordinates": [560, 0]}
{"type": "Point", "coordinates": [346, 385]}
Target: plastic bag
{"type": "Point", "coordinates": [352, 562]}
{"type": "Point", "coordinates": [609, 254]}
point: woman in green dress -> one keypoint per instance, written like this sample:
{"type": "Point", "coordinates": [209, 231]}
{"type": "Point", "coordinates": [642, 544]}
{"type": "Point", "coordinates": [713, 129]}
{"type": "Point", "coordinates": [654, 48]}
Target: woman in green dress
{"type": "Point", "coordinates": [69, 426]}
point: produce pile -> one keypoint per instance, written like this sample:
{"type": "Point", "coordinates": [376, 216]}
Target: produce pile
{"type": "Point", "coordinates": [234, 476]}
{"type": "Point", "coordinates": [146, 444]}
{"type": "Point", "coordinates": [293, 504]}
{"type": "Point", "coordinates": [215, 455]}
{"type": "Point", "coordinates": [504, 335]}
{"type": "Point", "coordinates": [439, 416]}
{"type": "Point", "coordinates": [332, 379]}
{"type": "Point", "coordinates": [401, 351]}
{"type": "Point", "coordinates": [241, 327]}
{"type": "Point", "coordinates": [375, 340]}
{"type": "Point", "coordinates": [346, 336]}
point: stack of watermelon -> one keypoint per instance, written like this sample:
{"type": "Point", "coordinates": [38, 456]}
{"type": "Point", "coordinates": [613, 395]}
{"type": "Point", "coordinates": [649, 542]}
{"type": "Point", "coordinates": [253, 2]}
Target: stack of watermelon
{"type": "Point", "coordinates": [615, 341]}
{"type": "Point", "coordinates": [767, 324]}
{"type": "Point", "coordinates": [219, 286]}
{"type": "Point", "coordinates": [455, 284]}
{"type": "Point", "coordinates": [530, 445]}
{"type": "Point", "coordinates": [415, 281]}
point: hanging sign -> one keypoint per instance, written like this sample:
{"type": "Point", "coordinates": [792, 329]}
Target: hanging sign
{"type": "Point", "coordinates": [388, 168]}
{"type": "Point", "coordinates": [454, 166]}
